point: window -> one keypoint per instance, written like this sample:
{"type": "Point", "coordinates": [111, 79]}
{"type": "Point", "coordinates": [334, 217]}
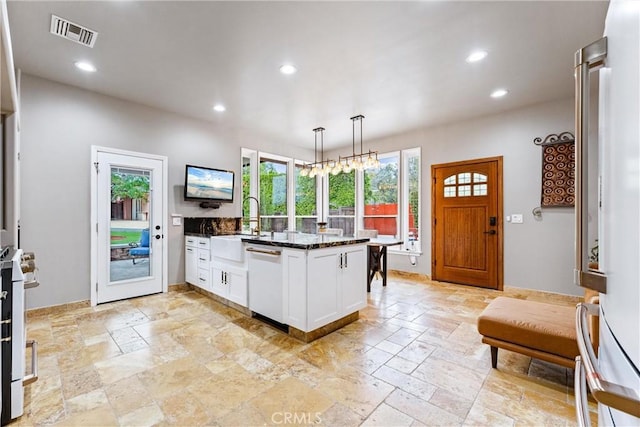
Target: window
{"type": "Point", "coordinates": [380, 192]}
{"type": "Point", "coordinates": [386, 199]}
{"type": "Point", "coordinates": [249, 188]}
{"type": "Point", "coordinates": [342, 202]}
{"type": "Point", "coordinates": [306, 213]}
{"type": "Point", "coordinates": [411, 193]}
{"type": "Point", "coordinates": [465, 184]}
{"type": "Point", "coordinates": [273, 194]}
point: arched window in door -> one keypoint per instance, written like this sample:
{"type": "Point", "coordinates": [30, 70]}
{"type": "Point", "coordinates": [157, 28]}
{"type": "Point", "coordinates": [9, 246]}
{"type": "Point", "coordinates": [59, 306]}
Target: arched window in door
{"type": "Point", "coordinates": [465, 184]}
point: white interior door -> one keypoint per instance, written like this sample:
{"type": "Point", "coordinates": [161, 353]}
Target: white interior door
{"type": "Point", "coordinates": [129, 210]}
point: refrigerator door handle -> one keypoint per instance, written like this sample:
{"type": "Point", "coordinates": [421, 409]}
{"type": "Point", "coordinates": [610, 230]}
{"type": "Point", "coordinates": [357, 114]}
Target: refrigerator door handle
{"type": "Point", "coordinates": [587, 59]}
{"type": "Point", "coordinates": [580, 390]}
{"type": "Point", "coordinates": [614, 395]}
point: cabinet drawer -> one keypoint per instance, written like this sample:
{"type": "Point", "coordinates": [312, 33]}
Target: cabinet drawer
{"type": "Point", "coordinates": [203, 242]}
{"type": "Point", "coordinates": [203, 258]}
{"type": "Point", "coordinates": [204, 277]}
{"type": "Point", "coordinates": [191, 241]}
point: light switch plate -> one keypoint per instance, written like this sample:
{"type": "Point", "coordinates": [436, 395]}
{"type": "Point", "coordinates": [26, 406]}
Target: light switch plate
{"type": "Point", "coordinates": [516, 219]}
{"type": "Point", "coordinates": [176, 220]}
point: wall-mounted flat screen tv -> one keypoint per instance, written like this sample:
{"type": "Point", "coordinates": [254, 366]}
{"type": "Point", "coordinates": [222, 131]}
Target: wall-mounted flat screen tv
{"type": "Point", "coordinates": [208, 184]}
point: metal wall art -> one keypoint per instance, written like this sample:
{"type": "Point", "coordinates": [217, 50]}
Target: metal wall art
{"type": "Point", "coordinates": [558, 169]}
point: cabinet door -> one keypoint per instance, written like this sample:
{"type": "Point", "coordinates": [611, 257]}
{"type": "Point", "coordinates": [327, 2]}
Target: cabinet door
{"type": "Point", "coordinates": [323, 304]}
{"type": "Point", "coordinates": [237, 285]}
{"type": "Point", "coordinates": [354, 279]}
{"type": "Point", "coordinates": [218, 285]}
{"type": "Point", "coordinates": [191, 265]}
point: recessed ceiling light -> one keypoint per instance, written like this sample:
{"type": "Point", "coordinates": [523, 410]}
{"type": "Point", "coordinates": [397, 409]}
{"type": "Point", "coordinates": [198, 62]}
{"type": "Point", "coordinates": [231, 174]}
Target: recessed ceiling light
{"type": "Point", "coordinates": [219, 108]}
{"type": "Point", "coordinates": [476, 56]}
{"type": "Point", "coordinates": [499, 93]}
{"type": "Point", "coordinates": [288, 69]}
{"type": "Point", "coordinates": [85, 66]}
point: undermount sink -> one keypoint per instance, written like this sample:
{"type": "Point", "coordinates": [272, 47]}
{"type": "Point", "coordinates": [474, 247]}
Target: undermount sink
{"type": "Point", "coordinates": [228, 247]}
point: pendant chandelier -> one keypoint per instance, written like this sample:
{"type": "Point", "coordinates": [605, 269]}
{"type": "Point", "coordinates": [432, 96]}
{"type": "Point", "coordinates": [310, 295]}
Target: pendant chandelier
{"type": "Point", "coordinates": [318, 167]}
{"type": "Point", "coordinates": [359, 160]}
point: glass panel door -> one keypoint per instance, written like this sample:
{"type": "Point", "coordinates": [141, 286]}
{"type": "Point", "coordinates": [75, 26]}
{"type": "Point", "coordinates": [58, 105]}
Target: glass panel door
{"type": "Point", "coordinates": [129, 224]}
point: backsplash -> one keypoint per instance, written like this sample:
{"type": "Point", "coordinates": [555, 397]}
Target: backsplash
{"type": "Point", "coordinates": [212, 226]}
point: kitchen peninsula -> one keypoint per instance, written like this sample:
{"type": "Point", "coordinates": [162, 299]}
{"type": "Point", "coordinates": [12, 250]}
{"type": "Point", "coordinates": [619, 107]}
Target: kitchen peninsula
{"type": "Point", "coordinates": [307, 285]}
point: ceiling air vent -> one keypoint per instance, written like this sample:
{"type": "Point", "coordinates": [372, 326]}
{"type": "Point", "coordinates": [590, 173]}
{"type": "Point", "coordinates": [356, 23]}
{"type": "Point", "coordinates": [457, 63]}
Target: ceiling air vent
{"type": "Point", "coordinates": [74, 32]}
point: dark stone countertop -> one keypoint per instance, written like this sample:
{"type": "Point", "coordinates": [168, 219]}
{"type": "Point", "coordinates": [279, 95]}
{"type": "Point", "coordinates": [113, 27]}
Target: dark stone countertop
{"type": "Point", "coordinates": [303, 241]}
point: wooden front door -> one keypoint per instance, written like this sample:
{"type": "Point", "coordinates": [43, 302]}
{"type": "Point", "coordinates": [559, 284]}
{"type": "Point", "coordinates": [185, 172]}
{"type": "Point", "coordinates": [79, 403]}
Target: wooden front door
{"type": "Point", "coordinates": [467, 222]}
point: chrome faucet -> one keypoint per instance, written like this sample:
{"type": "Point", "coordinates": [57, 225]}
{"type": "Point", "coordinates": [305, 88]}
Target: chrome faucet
{"type": "Point", "coordinates": [255, 230]}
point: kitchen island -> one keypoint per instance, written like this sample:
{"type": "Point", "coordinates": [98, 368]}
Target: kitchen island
{"type": "Point", "coordinates": [308, 285]}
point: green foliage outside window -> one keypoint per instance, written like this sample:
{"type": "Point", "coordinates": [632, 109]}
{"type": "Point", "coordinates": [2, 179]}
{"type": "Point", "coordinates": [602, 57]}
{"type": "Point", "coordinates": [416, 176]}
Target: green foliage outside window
{"type": "Point", "coordinates": [129, 186]}
{"type": "Point", "coordinates": [414, 186]}
{"type": "Point", "coordinates": [342, 190]}
{"type": "Point", "coordinates": [305, 195]}
{"type": "Point", "coordinates": [273, 188]}
{"type": "Point", "coordinates": [381, 185]}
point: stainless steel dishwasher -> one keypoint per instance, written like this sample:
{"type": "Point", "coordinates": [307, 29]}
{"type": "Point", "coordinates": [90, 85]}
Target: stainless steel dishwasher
{"type": "Point", "coordinates": [265, 281]}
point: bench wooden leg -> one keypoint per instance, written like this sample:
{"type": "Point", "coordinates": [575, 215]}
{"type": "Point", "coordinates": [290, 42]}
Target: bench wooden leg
{"type": "Point", "coordinates": [494, 357]}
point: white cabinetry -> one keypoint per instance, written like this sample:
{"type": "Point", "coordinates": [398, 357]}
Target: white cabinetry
{"type": "Point", "coordinates": [324, 286]}
{"type": "Point", "coordinates": [229, 269]}
{"type": "Point", "coordinates": [229, 282]}
{"type": "Point", "coordinates": [197, 261]}
{"type": "Point", "coordinates": [190, 261]}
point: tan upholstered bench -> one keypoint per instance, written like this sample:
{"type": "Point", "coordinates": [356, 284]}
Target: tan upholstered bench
{"type": "Point", "coordinates": [539, 330]}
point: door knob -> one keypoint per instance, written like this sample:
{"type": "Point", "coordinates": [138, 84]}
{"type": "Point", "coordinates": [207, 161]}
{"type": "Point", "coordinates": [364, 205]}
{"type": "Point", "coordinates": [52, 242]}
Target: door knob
{"type": "Point", "coordinates": [157, 227]}
{"type": "Point", "coordinates": [490, 232]}
{"type": "Point", "coordinates": [157, 236]}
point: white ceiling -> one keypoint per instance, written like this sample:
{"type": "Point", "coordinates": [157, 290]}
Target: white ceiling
{"type": "Point", "coordinates": [400, 64]}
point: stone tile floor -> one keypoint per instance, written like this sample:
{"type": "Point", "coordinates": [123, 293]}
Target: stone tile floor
{"type": "Point", "coordinates": [414, 358]}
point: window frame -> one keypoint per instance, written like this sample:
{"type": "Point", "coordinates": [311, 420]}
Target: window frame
{"type": "Point", "coordinates": [413, 247]}
{"type": "Point", "coordinates": [398, 214]}
{"type": "Point", "coordinates": [297, 164]}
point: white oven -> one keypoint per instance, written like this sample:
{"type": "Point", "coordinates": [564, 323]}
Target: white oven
{"type": "Point", "coordinates": [13, 336]}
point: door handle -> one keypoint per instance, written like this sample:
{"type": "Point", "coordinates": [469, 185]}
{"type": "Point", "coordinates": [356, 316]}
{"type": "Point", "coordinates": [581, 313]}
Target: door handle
{"type": "Point", "coordinates": [157, 236]}
{"type": "Point", "coordinates": [490, 232]}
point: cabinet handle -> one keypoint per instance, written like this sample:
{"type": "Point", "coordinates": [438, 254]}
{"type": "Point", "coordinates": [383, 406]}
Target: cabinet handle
{"type": "Point", "coordinates": [225, 278]}
{"type": "Point", "coordinates": [222, 277]}
{"type": "Point", "coordinates": [341, 261]}
{"type": "Point", "coordinates": [203, 259]}
{"type": "Point", "coordinates": [189, 250]}
{"type": "Point", "coordinates": [345, 260]}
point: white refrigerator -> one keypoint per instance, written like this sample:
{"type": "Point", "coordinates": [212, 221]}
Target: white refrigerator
{"type": "Point", "coordinates": [618, 359]}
